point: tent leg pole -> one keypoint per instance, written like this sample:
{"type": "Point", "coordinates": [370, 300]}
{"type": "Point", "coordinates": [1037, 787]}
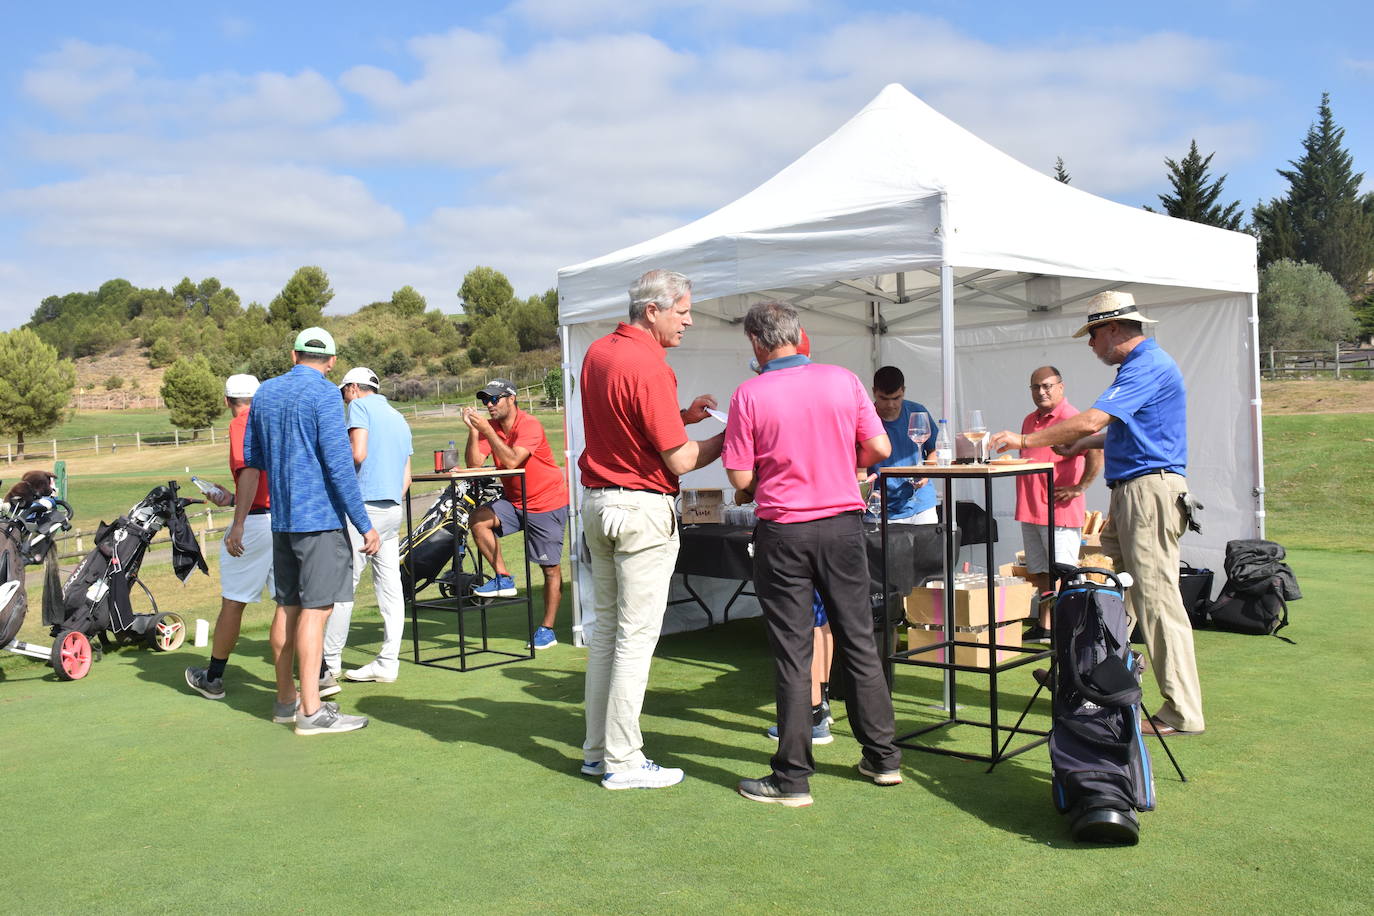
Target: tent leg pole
{"type": "Point", "coordinates": [1257, 416]}
{"type": "Point", "coordinates": [947, 411]}
{"type": "Point", "coordinates": [574, 504]}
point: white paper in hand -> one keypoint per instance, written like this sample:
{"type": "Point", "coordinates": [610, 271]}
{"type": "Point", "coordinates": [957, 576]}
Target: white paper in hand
{"type": "Point", "coordinates": [720, 415]}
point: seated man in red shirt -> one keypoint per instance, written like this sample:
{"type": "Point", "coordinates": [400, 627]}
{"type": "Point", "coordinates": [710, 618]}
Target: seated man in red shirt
{"type": "Point", "coordinates": [515, 439]}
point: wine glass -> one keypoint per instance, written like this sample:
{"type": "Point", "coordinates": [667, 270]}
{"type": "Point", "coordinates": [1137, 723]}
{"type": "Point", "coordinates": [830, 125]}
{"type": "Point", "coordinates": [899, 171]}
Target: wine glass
{"type": "Point", "coordinates": [919, 431]}
{"type": "Point", "coordinates": [976, 432]}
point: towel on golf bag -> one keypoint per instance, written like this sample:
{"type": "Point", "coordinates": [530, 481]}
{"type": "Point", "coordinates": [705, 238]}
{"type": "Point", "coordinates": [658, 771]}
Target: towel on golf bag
{"type": "Point", "coordinates": [11, 569]}
{"type": "Point", "coordinates": [1258, 587]}
{"type": "Point", "coordinates": [1097, 753]}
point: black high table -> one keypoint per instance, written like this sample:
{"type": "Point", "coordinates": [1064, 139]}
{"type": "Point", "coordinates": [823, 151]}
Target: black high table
{"type": "Point", "coordinates": [460, 604]}
{"type": "Point", "coordinates": [986, 473]}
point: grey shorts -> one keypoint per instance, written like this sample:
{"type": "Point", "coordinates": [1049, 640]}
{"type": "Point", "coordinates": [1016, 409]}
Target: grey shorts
{"type": "Point", "coordinates": [313, 569]}
{"type": "Point", "coordinates": [543, 530]}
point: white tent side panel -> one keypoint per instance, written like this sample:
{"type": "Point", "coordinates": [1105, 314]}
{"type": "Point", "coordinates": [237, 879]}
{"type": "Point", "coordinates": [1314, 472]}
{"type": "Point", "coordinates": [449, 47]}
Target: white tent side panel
{"type": "Point", "coordinates": [1209, 338]}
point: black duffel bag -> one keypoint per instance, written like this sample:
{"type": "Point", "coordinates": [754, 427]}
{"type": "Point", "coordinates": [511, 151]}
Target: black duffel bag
{"type": "Point", "coordinates": [1258, 587]}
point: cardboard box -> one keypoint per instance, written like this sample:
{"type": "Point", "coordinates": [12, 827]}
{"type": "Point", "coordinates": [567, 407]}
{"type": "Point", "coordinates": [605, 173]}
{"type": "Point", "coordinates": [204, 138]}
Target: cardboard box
{"type": "Point", "coordinates": [1017, 569]}
{"type": "Point", "coordinates": [929, 635]}
{"type": "Point", "coordinates": [702, 507]}
{"type": "Point", "coordinates": [927, 605]}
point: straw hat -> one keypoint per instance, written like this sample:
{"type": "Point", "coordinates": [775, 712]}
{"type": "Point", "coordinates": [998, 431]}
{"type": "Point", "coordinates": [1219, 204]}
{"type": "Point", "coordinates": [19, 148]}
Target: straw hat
{"type": "Point", "coordinates": [1111, 306]}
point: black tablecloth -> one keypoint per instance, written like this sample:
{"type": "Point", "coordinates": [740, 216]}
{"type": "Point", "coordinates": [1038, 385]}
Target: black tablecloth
{"type": "Point", "coordinates": [915, 553]}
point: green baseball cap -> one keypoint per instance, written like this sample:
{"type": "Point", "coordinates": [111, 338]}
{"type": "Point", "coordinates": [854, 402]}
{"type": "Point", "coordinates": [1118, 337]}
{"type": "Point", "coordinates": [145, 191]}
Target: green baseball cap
{"type": "Point", "coordinates": [314, 340]}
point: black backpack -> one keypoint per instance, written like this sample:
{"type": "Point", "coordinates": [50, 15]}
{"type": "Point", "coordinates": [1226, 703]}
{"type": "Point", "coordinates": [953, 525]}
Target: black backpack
{"type": "Point", "coordinates": [1258, 587]}
{"type": "Point", "coordinates": [1101, 768]}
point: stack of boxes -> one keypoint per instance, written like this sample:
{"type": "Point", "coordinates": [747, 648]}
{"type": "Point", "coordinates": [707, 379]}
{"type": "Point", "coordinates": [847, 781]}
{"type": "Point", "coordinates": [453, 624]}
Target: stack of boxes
{"type": "Point", "coordinates": [925, 612]}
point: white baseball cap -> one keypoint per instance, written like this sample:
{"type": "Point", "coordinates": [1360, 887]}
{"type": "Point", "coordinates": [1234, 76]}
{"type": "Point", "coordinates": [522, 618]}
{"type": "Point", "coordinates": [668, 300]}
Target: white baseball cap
{"type": "Point", "coordinates": [361, 375]}
{"type": "Point", "coordinates": [240, 386]}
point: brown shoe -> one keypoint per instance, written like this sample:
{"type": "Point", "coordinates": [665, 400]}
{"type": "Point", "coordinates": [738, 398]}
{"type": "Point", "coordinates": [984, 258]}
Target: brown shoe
{"type": "Point", "coordinates": [1155, 725]}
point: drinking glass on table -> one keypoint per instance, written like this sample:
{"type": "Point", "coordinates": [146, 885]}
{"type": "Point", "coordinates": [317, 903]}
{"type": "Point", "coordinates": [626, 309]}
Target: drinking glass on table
{"type": "Point", "coordinates": [919, 431]}
{"type": "Point", "coordinates": [976, 432]}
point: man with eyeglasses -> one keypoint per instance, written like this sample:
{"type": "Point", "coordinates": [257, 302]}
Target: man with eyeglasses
{"type": "Point", "coordinates": [536, 504]}
{"type": "Point", "coordinates": [1071, 479]}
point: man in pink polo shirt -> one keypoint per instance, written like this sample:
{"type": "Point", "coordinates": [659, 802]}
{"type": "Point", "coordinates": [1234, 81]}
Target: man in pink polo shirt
{"type": "Point", "coordinates": [795, 435]}
{"type": "Point", "coordinates": [1071, 479]}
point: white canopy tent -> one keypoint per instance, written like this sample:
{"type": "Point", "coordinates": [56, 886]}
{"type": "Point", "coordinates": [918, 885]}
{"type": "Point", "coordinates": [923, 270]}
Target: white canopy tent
{"type": "Point", "coordinates": [906, 240]}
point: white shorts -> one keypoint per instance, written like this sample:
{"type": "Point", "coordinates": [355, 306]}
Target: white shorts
{"type": "Point", "coordinates": [243, 578]}
{"type": "Point", "coordinates": [930, 516]}
{"type": "Point", "coordinates": [1067, 541]}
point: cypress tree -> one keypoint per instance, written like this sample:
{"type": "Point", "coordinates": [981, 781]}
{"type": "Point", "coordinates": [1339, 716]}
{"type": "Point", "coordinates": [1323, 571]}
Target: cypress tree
{"type": "Point", "coordinates": [1194, 197]}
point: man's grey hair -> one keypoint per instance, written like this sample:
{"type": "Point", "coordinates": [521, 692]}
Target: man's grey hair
{"type": "Point", "coordinates": [238, 402]}
{"type": "Point", "coordinates": [773, 324]}
{"type": "Point", "coordinates": [663, 287]}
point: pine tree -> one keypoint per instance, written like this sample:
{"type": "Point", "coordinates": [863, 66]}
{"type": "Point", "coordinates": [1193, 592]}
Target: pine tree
{"type": "Point", "coordinates": [192, 393]}
{"type": "Point", "coordinates": [1061, 174]}
{"type": "Point", "coordinates": [35, 385]}
{"type": "Point", "coordinates": [1330, 224]}
{"type": "Point", "coordinates": [1195, 198]}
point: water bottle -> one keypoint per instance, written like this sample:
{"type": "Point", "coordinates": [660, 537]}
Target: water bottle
{"type": "Point", "coordinates": [451, 455]}
{"type": "Point", "coordinates": [209, 489]}
{"type": "Point", "coordinates": [944, 446]}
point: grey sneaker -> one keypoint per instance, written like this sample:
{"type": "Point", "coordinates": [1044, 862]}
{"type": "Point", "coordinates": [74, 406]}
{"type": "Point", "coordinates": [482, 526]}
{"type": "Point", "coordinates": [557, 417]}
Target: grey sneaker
{"type": "Point", "coordinates": [766, 790]}
{"type": "Point", "coordinates": [880, 777]}
{"type": "Point", "coordinates": [329, 686]}
{"type": "Point", "coordinates": [327, 721]}
{"type": "Point", "coordinates": [199, 681]}
{"type": "Point", "coordinates": [285, 713]}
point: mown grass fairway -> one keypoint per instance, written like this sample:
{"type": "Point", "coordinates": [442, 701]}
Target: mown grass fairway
{"type": "Point", "coordinates": [129, 793]}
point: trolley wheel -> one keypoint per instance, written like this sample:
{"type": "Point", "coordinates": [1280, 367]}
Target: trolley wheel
{"type": "Point", "coordinates": [71, 655]}
{"type": "Point", "coordinates": [168, 632]}
{"type": "Point", "coordinates": [445, 589]}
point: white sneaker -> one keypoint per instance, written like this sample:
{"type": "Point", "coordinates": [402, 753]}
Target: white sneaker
{"type": "Point", "coordinates": [370, 672]}
{"type": "Point", "coordinates": [327, 721]}
{"type": "Point", "coordinates": [647, 776]}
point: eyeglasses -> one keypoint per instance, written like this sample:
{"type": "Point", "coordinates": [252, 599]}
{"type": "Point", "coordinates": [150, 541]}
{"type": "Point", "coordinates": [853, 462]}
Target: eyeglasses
{"type": "Point", "coordinates": [1045, 387]}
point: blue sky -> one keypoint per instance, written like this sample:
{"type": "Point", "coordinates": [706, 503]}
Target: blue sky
{"type": "Point", "coordinates": [403, 143]}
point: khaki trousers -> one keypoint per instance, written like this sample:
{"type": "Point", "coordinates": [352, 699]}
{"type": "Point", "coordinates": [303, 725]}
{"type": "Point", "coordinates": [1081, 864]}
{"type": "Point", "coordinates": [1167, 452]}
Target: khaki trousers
{"type": "Point", "coordinates": [1141, 537]}
{"type": "Point", "coordinates": [631, 573]}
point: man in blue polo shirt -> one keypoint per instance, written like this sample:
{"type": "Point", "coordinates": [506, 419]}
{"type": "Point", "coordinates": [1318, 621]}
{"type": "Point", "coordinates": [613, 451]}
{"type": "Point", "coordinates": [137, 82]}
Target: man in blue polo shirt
{"type": "Point", "coordinates": [381, 443]}
{"type": "Point", "coordinates": [296, 435]}
{"type": "Point", "coordinates": [1144, 414]}
{"type": "Point", "coordinates": [910, 501]}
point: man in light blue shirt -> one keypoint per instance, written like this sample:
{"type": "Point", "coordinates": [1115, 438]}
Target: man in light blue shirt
{"type": "Point", "coordinates": [296, 434]}
{"type": "Point", "coordinates": [909, 501]}
{"type": "Point", "coordinates": [381, 442]}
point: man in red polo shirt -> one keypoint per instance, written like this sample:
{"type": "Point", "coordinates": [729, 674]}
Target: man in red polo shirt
{"type": "Point", "coordinates": [538, 504]}
{"type": "Point", "coordinates": [637, 446]}
{"type": "Point", "coordinates": [1071, 479]}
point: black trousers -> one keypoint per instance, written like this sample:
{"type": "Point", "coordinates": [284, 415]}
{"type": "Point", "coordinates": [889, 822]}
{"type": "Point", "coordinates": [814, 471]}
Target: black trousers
{"type": "Point", "coordinates": [828, 555]}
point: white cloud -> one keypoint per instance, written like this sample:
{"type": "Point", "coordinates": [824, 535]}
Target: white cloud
{"type": "Point", "coordinates": [559, 150]}
{"type": "Point", "coordinates": [603, 15]}
{"type": "Point", "coordinates": [224, 208]}
{"type": "Point", "coordinates": [78, 74]}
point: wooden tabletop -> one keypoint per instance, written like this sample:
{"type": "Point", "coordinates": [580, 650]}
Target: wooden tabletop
{"type": "Point", "coordinates": [466, 473]}
{"type": "Point", "coordinates": [965, 470]}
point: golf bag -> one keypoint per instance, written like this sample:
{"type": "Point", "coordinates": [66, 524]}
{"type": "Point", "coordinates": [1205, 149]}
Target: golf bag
{"type": "Point", "coordinates": [1101, 767]}
{"type": "Point", "coordinates": [1258, 587]}
{"type": "Point", "coordinates": [96, 596]}
{"type": "Point", "coordinates": [27, 524]}
{"type": "Point", "coordinates": [429, 547]}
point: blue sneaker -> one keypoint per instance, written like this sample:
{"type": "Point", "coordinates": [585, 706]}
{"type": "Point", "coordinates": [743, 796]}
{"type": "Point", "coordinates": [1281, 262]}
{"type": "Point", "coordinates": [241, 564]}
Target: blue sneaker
{"type": "Point", "coordinates": [496, 587]}
{"type": "Point", "coordinates": [544, 637]}
{"type": "Point", "coordinates": [820, 734]}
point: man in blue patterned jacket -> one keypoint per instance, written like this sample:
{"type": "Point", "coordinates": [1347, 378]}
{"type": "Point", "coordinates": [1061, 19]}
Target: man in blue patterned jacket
{"type": "Point", "coordinates": [296, 435]}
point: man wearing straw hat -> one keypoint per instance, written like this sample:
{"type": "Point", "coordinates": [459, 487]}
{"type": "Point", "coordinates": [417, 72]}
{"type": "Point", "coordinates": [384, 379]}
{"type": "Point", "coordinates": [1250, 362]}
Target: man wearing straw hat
{"type": "Point", "coordinates": [1144, 415]}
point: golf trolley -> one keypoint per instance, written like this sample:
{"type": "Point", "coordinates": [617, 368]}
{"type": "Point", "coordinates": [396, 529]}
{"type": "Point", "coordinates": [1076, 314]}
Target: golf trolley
{"type": "Point", "coordinates": [95, 611]}
{"type": "Point", "coordinates": [435, 551]}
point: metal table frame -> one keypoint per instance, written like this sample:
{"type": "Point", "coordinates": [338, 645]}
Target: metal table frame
{"type": "Point", "coordinates": [996, 754]}
{"type": "Point", "coordinates": [458, 604]}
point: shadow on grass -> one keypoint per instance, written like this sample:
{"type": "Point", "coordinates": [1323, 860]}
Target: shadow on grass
{"type": "Point", "coordinates": [244, 691]}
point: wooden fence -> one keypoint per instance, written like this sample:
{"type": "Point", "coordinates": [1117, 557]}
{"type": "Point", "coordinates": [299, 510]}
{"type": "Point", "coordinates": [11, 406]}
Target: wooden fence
{"type": "Point", "coordinates": [1337, 362]}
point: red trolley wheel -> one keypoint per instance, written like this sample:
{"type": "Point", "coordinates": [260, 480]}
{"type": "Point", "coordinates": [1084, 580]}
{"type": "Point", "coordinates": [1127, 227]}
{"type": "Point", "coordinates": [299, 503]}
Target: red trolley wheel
{"type": "Point", "coordinates": [71, 655]}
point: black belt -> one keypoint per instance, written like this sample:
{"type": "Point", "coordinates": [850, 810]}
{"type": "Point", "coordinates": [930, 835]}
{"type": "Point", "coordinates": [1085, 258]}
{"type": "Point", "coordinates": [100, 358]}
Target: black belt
{"type": "Point", "coordinates": [631, 490]}
{"type": "Point", "coordinates": [262, 511]}
{"type": "Point", "coordinates": [1113, 484]}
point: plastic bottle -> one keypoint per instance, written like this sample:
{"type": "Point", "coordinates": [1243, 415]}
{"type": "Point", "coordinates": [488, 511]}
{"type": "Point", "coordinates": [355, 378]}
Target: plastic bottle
{"type": "Point", "coordinates": [209, 489]}
{"type": "Point", "coordinates": [944, 446]}
{"type": "Point", "coordinates": [451, 455]}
